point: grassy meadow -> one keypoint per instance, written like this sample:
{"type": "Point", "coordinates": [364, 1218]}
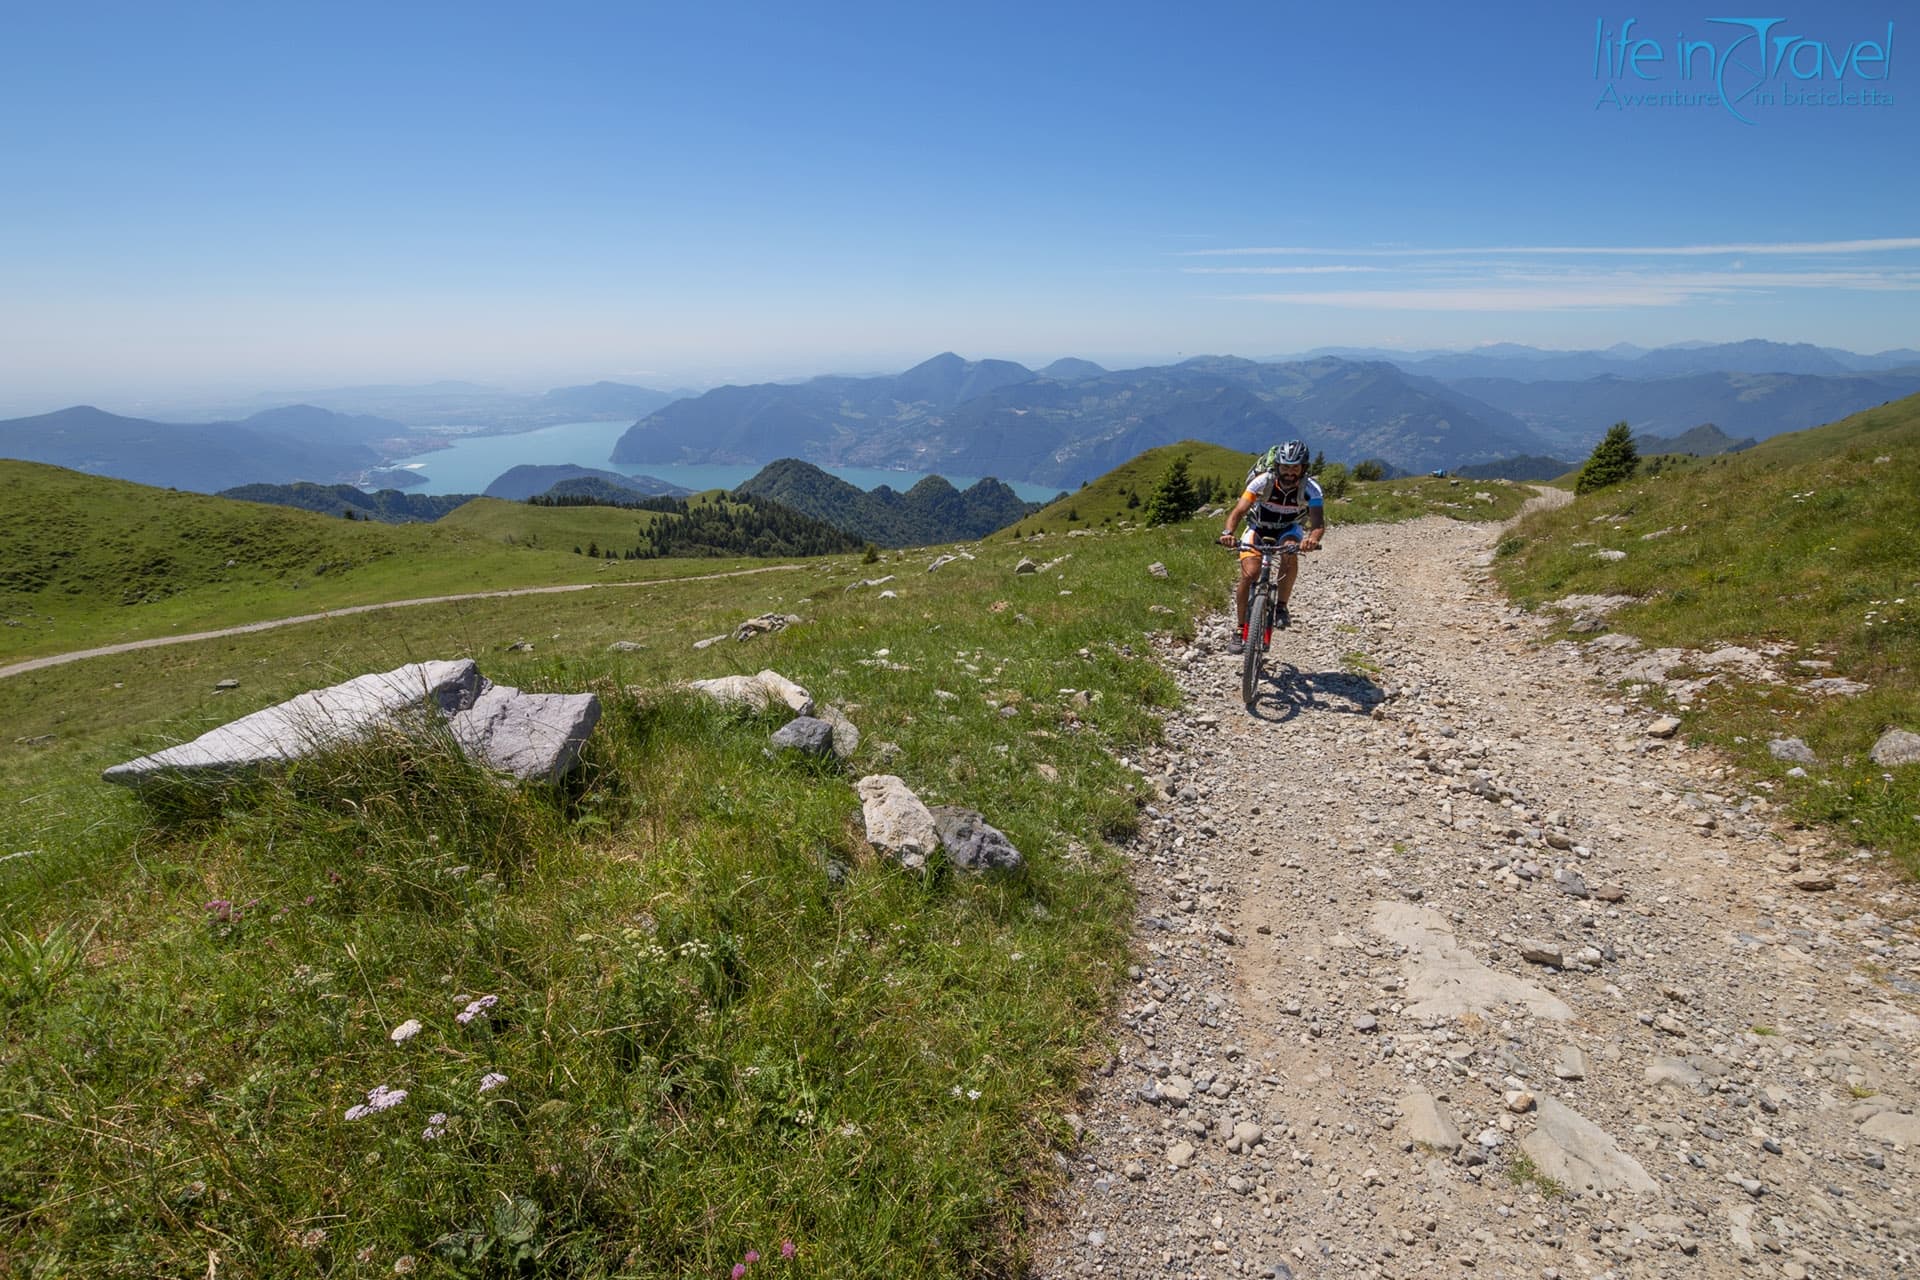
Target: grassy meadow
{"type": "Point", "coordinates": [88, 561]}
{"type": "Point", "coordinates": [721, 1022]}
{"type": "Point", "coordinates": [1805, 542]}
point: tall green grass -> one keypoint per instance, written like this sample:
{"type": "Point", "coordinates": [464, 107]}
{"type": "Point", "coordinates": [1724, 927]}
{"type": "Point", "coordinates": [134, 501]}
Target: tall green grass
{"type": "Point", "coordinates": [723, 1022]}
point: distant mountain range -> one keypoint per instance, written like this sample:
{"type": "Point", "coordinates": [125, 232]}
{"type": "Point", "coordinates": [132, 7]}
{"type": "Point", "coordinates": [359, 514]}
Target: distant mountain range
{"type": "Point", "coordinates": [280, 448]}
{"type": "Point", "coordinates": [1061, 425]}
{"type": "Point", "coordinates": [998, 418]}
{"type": "Point", "coordinates": [931, 511]}
{"type": "Point", "coordinates": [465, 404]}
{"type": "Point", "coordinates": [1572, 415]}
{"type": "Point", "coordinates": [1532, 364]}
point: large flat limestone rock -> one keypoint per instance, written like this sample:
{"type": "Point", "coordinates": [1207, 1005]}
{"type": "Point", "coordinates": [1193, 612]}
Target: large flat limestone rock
{"type": "Point", "coordinates": [1580, 1155]}
{"type": "Point", "coordinates": [320, 718]}
{"type": "Point", "coordinates": [758, 692]}
{"type": "Point", "coordinates": [532, 736]}
{"type": "Point", "coordinates": [1444, 981]}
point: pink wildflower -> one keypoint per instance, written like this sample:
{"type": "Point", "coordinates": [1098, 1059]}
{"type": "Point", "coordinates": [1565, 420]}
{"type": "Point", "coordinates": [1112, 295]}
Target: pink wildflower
{"type": "Point", "coordinates": [739, 1270]}
{"type": "Point", "coordinates": [753, 1255]}
{"type": "Point", "coordinates": [787, 1249]}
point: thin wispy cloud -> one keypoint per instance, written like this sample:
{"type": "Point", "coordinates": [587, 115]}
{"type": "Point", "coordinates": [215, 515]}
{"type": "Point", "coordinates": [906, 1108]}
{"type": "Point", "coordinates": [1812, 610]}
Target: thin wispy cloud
{"type": "Point", "coordinates": [1884, 245]}
{"type": "Point", "coordinates": [1342, 269]}
{"type": "Point", "coordinates": [1520, 291]}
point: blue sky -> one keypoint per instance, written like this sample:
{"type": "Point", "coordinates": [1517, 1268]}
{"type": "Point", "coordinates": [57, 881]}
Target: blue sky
{"type": "Point", "coordinates": [277, 196]}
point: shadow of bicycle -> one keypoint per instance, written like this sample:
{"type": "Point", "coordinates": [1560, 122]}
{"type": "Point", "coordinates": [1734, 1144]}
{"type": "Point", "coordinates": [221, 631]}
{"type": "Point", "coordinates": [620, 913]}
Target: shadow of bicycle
{"type": "Point", "coordinates": [1287, 692]}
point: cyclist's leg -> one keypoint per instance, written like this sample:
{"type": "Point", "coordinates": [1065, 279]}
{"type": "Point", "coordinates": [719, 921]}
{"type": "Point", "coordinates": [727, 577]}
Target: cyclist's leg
{"type": "Point", "coordinates": [1289, 565]}
{"type": "Point", "coordinates": [1249, 570]}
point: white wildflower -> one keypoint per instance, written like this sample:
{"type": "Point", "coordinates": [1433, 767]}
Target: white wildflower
{"type": "Point", "coordinates": [475, 1008]}
{"type": "Point", "coordinates": [973, 1095]}
{"type": "Point", "coordinates": [379, 1098]}
{"type": "Point", "coordinates": [405, 1031]}
{"type": "Point", "coordinates": [436, 1126]}
{"type": "Point", "coordinates": [491, 1080]}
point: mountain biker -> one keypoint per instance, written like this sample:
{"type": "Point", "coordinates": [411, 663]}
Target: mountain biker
{"type": "Point", "coordinates": [1282, 503]}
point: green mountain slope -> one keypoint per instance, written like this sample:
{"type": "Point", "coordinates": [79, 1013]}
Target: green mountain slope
{"type": "Point", "coordinates": [390, 506]}
{"type": "Point", "coordinates": [1805, 542]}
{"type": "Point", "coordinates": [931, 511]}
{"type": "Point", "coordinates": [86, 560]}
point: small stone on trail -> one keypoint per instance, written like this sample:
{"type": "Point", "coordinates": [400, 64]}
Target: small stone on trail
{"type": "Point", "coordinates": [1425, 1123]}
{"type": "Point", "coordinates": [1813, 880]}
{"type": "Point", "coordinates": [1572, 1064]}
{"type": "Point", "coordinates": [1180, 1154]}
{"type": "Point", "coordinates": [1534, 951]}
{"type": "Point", "coordinates": [1664, 727]}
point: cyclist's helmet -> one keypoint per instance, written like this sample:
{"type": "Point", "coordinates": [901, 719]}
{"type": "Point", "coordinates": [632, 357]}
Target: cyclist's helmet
{"type": "Point", "coordinates": [1291, 454]}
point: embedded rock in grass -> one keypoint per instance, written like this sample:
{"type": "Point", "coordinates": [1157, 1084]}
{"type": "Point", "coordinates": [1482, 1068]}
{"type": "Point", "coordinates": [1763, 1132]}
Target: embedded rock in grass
{"type": "Point", "coordinates": [869, 582]}
{"type": "Point", "coordinates": [939, 561]}
{"type": "Point", "coordinates": [972, 844]}
{"type": "Point", "coordinates": [764, 624]}
{"type": "Point", "coordinates": [1579, 1155]}
{"type": "Point", "coordinates": [1792, 750]}
{"type": "Point", "coordinates": [1026, 566]}
{"type": "Point", "coordinates": [897, 823]}
{"type": "Point", "coordinates": [336, 716]}
{"type": "Point", "coordinates": [532, 736]}
{"type": "Point", "coordinates": [1897, 747]}
{"type": "Point", "coordinates": [806, 735]}
{"type": "Point", "coordinates": [757, 692]}
{"type": "Point", "coordinates": [846, 737]}
{"type": "Point", "coordinates": [1157, 570]}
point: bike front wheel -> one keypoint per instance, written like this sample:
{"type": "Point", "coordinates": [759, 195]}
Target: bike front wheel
{"type": "Point", "coordinates": [1258, 610]}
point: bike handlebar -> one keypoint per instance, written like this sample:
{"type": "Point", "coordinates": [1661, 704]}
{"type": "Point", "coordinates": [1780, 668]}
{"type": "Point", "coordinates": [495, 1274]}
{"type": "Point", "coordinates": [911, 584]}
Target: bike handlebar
{"type": "Point", "coordinates": [1287, 548]}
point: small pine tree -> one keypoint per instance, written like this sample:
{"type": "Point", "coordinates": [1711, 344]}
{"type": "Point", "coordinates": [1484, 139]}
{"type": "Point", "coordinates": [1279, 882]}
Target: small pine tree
{"type": "Point", "coordinates": [1133, 501]}
{"type": "Point", "coordinates": [593, 551]}
{"type": "Point", "coordinates": [872, 555]}
{"type": "Point", "coordinates": [1611, 461]}
{"type": "Point", "coordinates": [576, 548]}
{"type": "Point", "coordinates": [1319, 463]}
{"type": "Point", "coordinates": [1073, 513]}
{"type": "Point", "coordinates": [1173, 499]}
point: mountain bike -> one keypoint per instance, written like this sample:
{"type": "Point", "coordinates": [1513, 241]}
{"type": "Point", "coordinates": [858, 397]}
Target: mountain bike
{"type": "Point", "coordinates": [1260, 602]}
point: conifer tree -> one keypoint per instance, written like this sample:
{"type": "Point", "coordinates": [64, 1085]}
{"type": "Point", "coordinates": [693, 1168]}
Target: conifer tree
{"type": "Point", "coordinates": [1611, 461]}
{"type": "Point", "coordinates": [1173, 499]}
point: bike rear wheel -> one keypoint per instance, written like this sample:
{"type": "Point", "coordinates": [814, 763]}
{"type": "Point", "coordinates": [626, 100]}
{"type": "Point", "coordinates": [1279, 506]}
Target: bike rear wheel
{"type": "Point", "coordinates": [1258, 610]}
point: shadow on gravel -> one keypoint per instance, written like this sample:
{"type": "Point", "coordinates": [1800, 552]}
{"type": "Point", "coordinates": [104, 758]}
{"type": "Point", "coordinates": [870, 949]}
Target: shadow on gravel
{"type": "Point", "coordinates": [1288, 692]}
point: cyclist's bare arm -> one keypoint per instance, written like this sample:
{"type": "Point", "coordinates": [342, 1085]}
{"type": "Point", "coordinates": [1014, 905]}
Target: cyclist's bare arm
{"type": "Point", "coordinates": [1234, 517]}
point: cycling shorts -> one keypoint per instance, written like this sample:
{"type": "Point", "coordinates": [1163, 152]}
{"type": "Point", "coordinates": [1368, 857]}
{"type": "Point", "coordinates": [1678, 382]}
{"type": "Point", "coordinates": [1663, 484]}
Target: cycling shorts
{"type": "Point", "coordinates": [1292, 532]}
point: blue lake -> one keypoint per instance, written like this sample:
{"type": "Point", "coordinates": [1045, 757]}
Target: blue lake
{"type": "Point", "coordinates": [472, 463]}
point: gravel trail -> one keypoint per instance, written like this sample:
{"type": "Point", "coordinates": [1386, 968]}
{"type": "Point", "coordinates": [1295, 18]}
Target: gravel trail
{"type": "Point", "coordinates": [1446, 965]}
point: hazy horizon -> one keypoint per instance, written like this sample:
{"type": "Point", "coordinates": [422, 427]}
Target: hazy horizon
{"type": "Point", "coordinates": [225, 202]}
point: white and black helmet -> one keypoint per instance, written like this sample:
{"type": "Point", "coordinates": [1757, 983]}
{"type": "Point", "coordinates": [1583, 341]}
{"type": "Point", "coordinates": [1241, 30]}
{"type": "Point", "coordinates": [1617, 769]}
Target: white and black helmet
{"type": "Point", "coordinates": [1291, 454]}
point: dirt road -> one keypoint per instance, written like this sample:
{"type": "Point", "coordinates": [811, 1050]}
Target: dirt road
{"type": "Point", "coordinates": [1446, 965]}
{"type": "Point", "coordinates": [54, 660]}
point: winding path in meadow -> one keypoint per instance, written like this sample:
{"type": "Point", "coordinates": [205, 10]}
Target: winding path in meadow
{"type": "Point", "coordinates": [131, 646]}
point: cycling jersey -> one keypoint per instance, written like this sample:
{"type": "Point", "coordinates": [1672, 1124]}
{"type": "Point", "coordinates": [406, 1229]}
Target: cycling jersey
{"type": "Point", "coordinates": [1277, 503]}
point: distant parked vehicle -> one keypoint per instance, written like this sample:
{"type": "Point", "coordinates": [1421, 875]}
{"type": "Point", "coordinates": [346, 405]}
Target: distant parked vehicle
{"type": "Point", "coordinates": [1439, 473]}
